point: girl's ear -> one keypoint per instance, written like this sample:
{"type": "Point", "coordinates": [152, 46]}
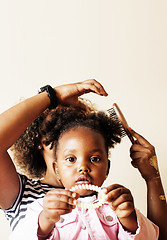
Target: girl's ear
{"type": "Point", "coordinates": [56, 170]}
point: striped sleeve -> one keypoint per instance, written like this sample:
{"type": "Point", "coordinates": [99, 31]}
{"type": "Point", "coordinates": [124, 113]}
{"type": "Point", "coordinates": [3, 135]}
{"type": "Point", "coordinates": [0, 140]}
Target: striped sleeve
{"type": "Point", "coordinates": [30, 190]}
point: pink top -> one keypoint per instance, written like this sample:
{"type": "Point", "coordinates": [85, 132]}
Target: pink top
{"type": "Point", "coordinates": [89, 224]}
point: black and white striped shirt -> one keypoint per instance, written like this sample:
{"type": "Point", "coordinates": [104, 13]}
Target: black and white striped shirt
{"type": "Point", "coordinates": [30, 190]}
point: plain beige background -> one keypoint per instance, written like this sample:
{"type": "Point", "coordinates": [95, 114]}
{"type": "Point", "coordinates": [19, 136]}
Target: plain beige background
{"type": "Point", "coordinates": [120, 43]}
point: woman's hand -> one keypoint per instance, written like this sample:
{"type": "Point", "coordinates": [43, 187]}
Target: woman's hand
{"type": "Point", "coordinates": [68, 94]}
{"type": "Point", "coordinates": [144, 157]}
{"type": "Point", "coordinates": [121, 201]}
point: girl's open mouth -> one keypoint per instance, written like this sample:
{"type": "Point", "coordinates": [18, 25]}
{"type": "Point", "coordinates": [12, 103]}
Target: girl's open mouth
{"type": "Point", "coordinates": [83, 179]}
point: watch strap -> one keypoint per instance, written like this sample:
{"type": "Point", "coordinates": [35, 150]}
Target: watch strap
{"type": "Point", "coordinates": [51, 94]}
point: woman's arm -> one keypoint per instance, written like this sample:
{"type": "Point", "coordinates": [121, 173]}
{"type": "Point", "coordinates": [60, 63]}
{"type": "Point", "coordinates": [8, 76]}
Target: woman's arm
{"type": "Point", "coordinates": [144, 158]}
{"type": "Point", "coordinates": [15, 120]}
{"type": "Point", "coordinates": [156, 206]}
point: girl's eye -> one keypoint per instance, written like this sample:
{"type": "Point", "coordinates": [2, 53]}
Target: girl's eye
{"type": "Point", "coordinates": [95, 159]}
{"type": "Point", "coordinates": [70, 159]}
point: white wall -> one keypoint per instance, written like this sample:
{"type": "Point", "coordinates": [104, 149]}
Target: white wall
{"type": "Point", "coordinates": [120, 43]}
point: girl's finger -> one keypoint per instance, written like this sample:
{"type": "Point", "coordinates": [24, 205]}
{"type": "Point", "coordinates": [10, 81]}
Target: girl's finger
{"type": "Point", "coordinates": [112, 187]}
{"type": "Point", "coordinates": [122, 199]}
{"type": "Point", "coordinates": [59, 205]}
{"type": "Point", "coordinates": [115, 193]}
{"type": "Point", "coordinates": [62, 195]}
{"type": "Point", "coordinates": [124, 209]}
{"type": "Point", "coordinates": [55, 214]}
{"type": "Point", "coordinates": [63, 192]}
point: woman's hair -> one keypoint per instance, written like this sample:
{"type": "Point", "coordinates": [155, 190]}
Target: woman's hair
{"type": "Point", "coordinates": [26, 155]}
{"type": "Point", "coordinates": [51, 125]}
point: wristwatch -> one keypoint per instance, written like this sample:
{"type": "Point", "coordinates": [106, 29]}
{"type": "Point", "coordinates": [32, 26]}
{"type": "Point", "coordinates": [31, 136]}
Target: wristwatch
{"type": "Point", "coordinates": [51, 94]}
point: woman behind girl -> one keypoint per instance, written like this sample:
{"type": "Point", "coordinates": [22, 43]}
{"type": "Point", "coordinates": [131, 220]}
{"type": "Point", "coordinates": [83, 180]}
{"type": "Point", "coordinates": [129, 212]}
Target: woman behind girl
{"type": "Point", "coordinates": [81, 143]}
{"type": "Point", "coordinates": [36, 159]}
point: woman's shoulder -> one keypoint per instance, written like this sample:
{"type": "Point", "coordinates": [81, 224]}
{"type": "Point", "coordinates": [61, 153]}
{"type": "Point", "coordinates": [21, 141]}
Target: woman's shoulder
{"type": "Point", "coordinates": [34, 185]}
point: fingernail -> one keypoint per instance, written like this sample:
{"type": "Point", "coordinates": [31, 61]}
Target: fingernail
{"type": "Point", "coordinates": [74, 195]}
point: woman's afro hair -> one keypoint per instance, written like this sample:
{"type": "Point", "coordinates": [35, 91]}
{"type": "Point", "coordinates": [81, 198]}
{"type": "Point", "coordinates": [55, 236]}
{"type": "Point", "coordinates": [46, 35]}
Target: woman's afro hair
{"type": "Point", "coordinates": [51, 125]}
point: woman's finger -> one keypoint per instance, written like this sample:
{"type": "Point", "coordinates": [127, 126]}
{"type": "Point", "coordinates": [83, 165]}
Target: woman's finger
{"type": "Point", "coordinates": [140, 139]}
{"type": "Point", "coordinates": [149, 149]}
{"type": "Point", "coordinates": [91, 85]}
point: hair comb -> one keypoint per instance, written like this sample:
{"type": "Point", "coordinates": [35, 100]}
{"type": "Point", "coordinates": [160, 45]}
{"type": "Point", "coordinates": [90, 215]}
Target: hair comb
{"type": "Point", "coordinates": [116, 113]}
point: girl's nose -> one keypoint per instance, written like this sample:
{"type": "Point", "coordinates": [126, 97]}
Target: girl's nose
{"type": "Point", "coordinates": [83, 168]}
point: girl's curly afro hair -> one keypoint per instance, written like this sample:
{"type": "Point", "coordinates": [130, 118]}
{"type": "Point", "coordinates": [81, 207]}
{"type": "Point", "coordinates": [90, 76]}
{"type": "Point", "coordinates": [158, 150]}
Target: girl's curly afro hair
{"type": "Point", "coordinates": [51, 125]}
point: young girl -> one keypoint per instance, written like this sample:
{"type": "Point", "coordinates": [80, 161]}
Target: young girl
{"type": "Point", "coordinates": [81, 143]}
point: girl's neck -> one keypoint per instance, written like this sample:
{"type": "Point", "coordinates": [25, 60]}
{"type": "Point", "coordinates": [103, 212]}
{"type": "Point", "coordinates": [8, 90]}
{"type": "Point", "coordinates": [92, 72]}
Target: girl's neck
{"type": "Point", "coordinates": [51, 179]}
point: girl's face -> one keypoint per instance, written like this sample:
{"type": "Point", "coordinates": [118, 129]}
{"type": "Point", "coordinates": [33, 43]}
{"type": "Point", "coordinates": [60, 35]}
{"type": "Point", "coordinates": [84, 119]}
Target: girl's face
{"type": "Point", "coordinates": [82, 158]}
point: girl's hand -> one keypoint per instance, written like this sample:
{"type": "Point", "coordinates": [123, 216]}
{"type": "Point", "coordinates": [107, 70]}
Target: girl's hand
{"type": "Point", "coordinates": [68, 94]}
{"type": "Point", "coordinates": [121, 201]}
{"type": "Point", "coordinates": [55, 203]}
{"type": "Point", "coordinates": [58, 202]}
{"type": "Point", "coordinates": [144, 157]}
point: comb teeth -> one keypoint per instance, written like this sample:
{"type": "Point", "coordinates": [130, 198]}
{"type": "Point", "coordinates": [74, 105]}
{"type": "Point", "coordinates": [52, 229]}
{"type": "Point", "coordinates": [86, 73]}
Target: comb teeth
{"type": "Point", "coordinates": [113, 114]}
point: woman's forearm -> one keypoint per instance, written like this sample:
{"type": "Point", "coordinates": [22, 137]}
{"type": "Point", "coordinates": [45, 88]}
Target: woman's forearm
{"type": "Point", "coordinates": [16, 119]}
{"type": "Point", "coordinates": [157, 206]}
